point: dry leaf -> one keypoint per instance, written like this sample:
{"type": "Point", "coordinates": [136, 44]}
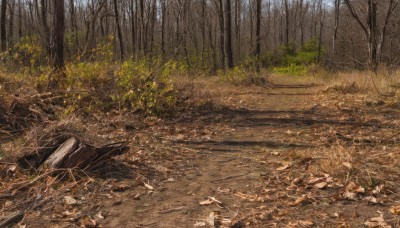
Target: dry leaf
{"type": "Point", "coordinates": [200, 224]}
{"type": "Point", "coordinates": [206, 202]}
{"type": "Point", "coordinates": [99, 215]}
{"type": "Point", "coordinates": [395, 210]}
{"type": "Point", "coordinates": [300, 223]}
{"type": "Point", "coordinates": [350, 195]}
{"type": "Point", "coordinates": [283, 167]}
{"type": "Point", "coordinates": [321, 185]}
{"type": "Point", "coordinates": [347, 165]}
{"type": "Point", "coordinates": [352, 187]}
{"type": "Point", "coordinates": [8, 204]}
{"type": "Point", "coordinates": [378, 189]}
{"type": "Point", "coordinates": [315, 180]}
{"type": "Point", "coordinates": [214, 199]}
{"type": "Point", "coordinates": [306, 223]}
{"type": "Point", "coordinates": [148, 186]}
{"type": "Point", "coordinates": [377, 222]}
{"type": "Point", "coordinates": [300, 200]}
{"type": "Point", "coordinates": [371, 199]}
{"type": "Point", "coordinates": [69, 200]}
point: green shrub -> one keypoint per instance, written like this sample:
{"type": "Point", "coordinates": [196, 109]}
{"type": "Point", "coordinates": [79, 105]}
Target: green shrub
{"type": "Point", "coordinates": [27, 56]}
{"type": "Point", "coordinates": [292, 69]}
{"type": "Point", "coordinates": [146, 89]}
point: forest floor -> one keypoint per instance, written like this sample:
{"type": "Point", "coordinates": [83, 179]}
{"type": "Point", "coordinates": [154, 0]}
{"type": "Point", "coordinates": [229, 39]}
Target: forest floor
{"type": "Point", "coordinates": [291, 155]}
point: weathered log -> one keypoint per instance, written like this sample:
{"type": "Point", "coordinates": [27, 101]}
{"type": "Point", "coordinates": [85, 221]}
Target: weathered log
{"type": "Point", "coordinates": [75, 153]}
{"type": "Point", "coordinates": [56, 159]}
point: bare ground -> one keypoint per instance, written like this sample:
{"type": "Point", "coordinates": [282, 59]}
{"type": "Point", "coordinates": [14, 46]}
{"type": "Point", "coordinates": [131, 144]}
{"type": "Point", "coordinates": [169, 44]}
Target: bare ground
{"type": "Point", "coordinates": [290, 156]}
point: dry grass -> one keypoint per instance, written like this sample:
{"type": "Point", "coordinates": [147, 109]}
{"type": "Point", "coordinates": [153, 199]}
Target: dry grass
{"type": "Point", "coordinates": [368, 167]}
{"type": "Point", "coordinates": [362, 82]}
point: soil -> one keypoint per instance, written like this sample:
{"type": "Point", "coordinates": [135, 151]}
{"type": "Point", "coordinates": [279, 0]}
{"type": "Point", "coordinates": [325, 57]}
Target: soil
{"type": "Point", "coordinates": [263, 158]}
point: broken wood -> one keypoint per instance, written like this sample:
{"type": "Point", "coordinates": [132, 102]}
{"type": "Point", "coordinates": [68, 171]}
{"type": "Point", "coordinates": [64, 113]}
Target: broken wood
{"type": "Point", "coordinates": [74, 153]}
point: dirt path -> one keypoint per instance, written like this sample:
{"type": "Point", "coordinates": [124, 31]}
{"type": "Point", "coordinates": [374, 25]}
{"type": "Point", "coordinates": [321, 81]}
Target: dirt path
{"type": "Point", "coordinates": [290, 156]}
{"type": "Point", "coordinates": [232, 165]}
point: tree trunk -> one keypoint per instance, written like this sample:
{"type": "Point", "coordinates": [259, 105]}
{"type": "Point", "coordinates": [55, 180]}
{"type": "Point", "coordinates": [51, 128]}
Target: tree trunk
{"type": "Point", "coordinates": [258, 35]}
{"type": "Point", "coordinates": [163, 22]}
{"type": "Point", "coordinates": [46, 29]}
{"type": "Point", "coordinates": [11, 24]}
{"type": "Point", "coordinates": [372, 42]}
{"type": "Point", "coordinates": [3, 25]}
{"type": "Point", "coordinates": [228, 34]}
{"type": "Point", "coordinates": [119, 33]}
{"type": "Point", "coordinates": [286, 4]}
{"type": "Point", "coordinates": [221, 33]}
{"type": "Point", "coordinates": [57, 41]}
{"type": "Point", "coordinates": [337, 14]}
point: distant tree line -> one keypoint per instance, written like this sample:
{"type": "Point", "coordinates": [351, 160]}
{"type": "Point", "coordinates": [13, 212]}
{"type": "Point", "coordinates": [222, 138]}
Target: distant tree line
{"type": "Point", "coordinates": [217, 34]}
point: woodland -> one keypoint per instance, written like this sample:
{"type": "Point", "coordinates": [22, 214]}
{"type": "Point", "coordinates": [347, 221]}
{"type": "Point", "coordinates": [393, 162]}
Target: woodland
{"type": "Point", "coordinates": [199, 113]}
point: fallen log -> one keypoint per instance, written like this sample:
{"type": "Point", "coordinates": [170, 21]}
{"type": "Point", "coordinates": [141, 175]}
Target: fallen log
{"type": "Point", "coordinates": [74, 153]}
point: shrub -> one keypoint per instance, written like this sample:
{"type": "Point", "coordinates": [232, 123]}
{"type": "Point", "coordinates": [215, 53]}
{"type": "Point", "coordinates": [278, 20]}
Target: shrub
{"type": "Point", "coordinates": [28, 53]}
{"type": "Point", "coordinates": [147, 89]}
{"type": "Point", "coordinates": [292, 69]}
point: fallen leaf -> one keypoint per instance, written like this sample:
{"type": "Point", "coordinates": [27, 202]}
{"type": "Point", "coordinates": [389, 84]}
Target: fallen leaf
{"type": "Point", "coordinates": [200, 224]}
{"type": "Point", "coordinates": [350, 195]}
{"type": "Point", "coordinates": [377, 222]}
{"type": "Point", "coordinates": [347, 165]}
{"type": "Point", "coordinates": [300, 223]}
{"type": "Point", "coordinates": [69, 200]}
{"type": "Point", "coordinates": [315, 180]}
{"type": "Point", "coordinates": [371, 200]}
{"type": "Point", "coordinates": [206, 202]}
{"type": "Point", "coordinates": [148, 186]}
{"type": "Point", "coordinates": [321, 185]}
{"type": "Point", "coordinates": [99, 215]}
{"type": "Point", "coordinates": [214, 199]}
{"type": "Point", "coordinates": [8, 204]}
{"type": "Point", "coordinates": [395, 210]}
{"type": "Point", "coordinates": [306, 223]}
{"type": "Point", "coordinates": [352, 187]}
{"type": "Point", "coordinates": [283, 167]}
{"type": "Point", "coordinates": [378, 189]}
{"type": "Point", "coordinates": [121, 187]}
{"type": "Point", "coordinates": [300, 200]}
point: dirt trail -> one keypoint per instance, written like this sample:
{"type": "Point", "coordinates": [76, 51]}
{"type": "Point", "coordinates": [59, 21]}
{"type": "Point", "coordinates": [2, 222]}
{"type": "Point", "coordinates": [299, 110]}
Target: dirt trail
{"type": "Point", "coordinates": [228, 165]}
{"type": "Point", "coordinates": [269, 159]}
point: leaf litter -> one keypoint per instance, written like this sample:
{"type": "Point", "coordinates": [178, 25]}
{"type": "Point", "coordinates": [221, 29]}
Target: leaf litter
{"type": "Point", "coordinates": [339, 179]}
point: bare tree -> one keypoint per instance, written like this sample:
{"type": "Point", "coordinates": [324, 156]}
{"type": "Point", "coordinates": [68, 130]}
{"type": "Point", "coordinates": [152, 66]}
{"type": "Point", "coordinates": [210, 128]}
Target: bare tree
{"type": "Point", "coordinates": [370, 28]}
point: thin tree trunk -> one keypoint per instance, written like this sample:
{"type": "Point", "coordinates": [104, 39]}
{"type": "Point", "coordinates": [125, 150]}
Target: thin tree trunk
{"type": "Point", "coordinates": [57, 46]}
{"type": "Point", "coordinates": [119, 33]}
{"type": "Point", "coordinates": [228, 35]}
{"type": "Point", "coordinates": [11, 24]}
{"type": "Point", "coordinates": [163, 22]}
{"type": "Point", "coordinates": [258, 35]}
{"type": "Point", "coordinates": [3, 25]}
{"type": "Point", "coordinates": [133, 26]}
{"type": "Point", "coordinates": [286, 4]}
{"type": "Point", "coordinates": [20, 34]}
{"type": "Point", "coordinates": [337, 14]}
{"type": "Point", "coordinates": [221, 34]}
{"type": "Point", "coordinates": [46, 29]}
